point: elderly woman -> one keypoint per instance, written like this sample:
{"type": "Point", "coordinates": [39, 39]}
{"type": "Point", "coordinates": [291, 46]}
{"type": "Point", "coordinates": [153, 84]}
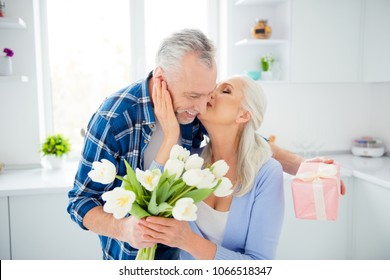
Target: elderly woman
{"type": "Point", "coordinates": [246, 224]}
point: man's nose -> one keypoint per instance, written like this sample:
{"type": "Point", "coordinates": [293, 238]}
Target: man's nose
{"type": "Point", "coordinates": [211, 98]}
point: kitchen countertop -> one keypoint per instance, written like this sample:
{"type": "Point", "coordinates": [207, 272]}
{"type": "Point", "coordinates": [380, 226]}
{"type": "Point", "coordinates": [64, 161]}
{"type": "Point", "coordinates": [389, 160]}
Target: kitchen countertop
{"type": "Point", "coordinates": [41, 180]}
{"type": "Point", "coordinates": [37, 180]}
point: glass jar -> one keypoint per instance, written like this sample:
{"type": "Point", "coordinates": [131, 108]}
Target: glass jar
{"type": "Point", "coordinates": [2, 9]}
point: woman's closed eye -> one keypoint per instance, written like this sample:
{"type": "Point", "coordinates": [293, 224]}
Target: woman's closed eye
{"type": "Point", "coordinates": [227, 91]}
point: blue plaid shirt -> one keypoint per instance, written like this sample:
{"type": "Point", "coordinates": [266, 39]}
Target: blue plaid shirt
{"type": "Point", "coordinates": [120, 129]}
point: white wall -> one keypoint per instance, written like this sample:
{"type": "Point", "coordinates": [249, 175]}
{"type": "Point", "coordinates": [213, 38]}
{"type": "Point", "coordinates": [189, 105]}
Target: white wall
{"type": "Point", "coordinates": [380, 112]}
{"type": "Point", "coordinates": [330, 115]}
{"type": "Point", "coordinates": [19, 115]}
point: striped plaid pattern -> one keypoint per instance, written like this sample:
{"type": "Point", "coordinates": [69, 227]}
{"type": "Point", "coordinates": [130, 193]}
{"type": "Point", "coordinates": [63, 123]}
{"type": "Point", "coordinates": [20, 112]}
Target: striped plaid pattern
{"type": "Point", "coordinates": [120, 129]}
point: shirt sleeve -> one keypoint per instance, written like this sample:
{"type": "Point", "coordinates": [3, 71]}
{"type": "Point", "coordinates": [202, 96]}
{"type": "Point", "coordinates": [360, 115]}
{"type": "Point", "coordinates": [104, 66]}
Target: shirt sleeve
{"type": "Point", "coordinates": [99, 143]}
{"type": "Point", "coordinates": [154, 165]}
{"type": "Point", "coordinates": [266, 217]}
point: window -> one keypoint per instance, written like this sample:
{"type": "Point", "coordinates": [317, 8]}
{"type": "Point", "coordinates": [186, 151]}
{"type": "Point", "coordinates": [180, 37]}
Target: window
{"type": "Point", "coordinates": [89, 56]}
{"type": "Point", "coordinates": [97, 47]}
{"type": "Point", "coordinates": [164, 17]}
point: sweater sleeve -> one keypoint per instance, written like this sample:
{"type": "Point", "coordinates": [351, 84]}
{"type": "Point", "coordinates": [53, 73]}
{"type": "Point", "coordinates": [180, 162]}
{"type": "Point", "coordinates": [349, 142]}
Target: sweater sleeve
{"type": "Point", "coordinates": [266, 217]}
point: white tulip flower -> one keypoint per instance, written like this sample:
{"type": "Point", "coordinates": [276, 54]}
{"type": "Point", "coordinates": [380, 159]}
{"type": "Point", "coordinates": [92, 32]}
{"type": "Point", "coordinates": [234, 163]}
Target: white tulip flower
{"type": "Point", "coordinates": [224, 188]}
{"type": "Point", "coordinates": [207, 180]}
{"type": "Point", "coordinates": [219, 168]}
{"type": "Point", "coordinates": [103, 172]}
{"type": "Point", "coordinates": [149, 178]}
{"type": "Point", "coordinates": [194, 162]}
{"type": "Point", "coordinates": [185, 210]}
{"type": "Point", "coordinates": [192, 177]}
{"type": "Point", "coordinates": [118, 202]}
{"type": "Point", "coordinates": [202, 179]}
{"type": "Point", "coordinates": [180, 153]}
{"type": "Point", "coordinates": [174, 167]}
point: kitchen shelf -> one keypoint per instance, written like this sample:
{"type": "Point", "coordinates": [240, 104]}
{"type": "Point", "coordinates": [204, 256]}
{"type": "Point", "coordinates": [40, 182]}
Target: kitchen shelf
{"type": "Point", "coordinates": [245, 50]}
{"type": "Point", "coordinates": [12, 23]}
{"type": "Point", "coordinates": [261, 42]}
{"type": "Point", "coordinates": [14, 78]}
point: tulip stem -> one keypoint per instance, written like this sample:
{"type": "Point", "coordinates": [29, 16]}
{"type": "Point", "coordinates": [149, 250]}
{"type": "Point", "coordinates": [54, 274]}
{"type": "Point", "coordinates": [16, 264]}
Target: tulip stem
{"type": "Point", "coordinates": [176, 198]}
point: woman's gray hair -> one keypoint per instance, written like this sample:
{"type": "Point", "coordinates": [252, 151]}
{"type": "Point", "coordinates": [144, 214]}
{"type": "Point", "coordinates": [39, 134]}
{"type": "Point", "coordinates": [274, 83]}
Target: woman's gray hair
{"type": "Point", "coordinates": [175, 47]}
{"type": "Point", "coordinates": [253, 150]}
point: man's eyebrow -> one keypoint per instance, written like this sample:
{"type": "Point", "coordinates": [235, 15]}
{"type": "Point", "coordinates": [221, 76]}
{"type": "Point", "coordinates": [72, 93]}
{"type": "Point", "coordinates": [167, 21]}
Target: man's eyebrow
{"type": "Point", "coordinates": [196, 93]}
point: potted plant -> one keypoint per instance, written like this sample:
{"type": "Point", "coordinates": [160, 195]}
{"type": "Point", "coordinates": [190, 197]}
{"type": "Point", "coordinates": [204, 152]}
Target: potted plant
{"type": "Point", "coordinates": [266, 62]}
{"type": "Point", "coordinates": [6, 62]}
{"type": "Point", "coordinates": [54, 148]}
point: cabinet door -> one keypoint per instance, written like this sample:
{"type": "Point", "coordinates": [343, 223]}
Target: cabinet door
{"type": "Point", "coordinates": [376, 41]}
{"type": "Point", "coordinates": [312, 239]}
{"type": "Point", "coordinates": [5, 251]}
{"type": "Point", "coordinates": [42, 229]}
{"type": "Point", "coordinates": [371, 222]}
{"type": "Point", "coordinates": [326, 40]}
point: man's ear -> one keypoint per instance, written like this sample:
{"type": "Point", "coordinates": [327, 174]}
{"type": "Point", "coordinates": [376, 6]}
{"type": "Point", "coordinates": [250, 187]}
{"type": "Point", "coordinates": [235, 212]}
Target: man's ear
{"type": "Point", "coordinates": [244, 117]}
{"type": "Point", "coordinates": [158, 73]}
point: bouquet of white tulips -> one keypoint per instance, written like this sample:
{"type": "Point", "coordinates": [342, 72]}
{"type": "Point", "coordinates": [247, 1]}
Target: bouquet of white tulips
{"type": "Point", "coordinates": [171, 193]}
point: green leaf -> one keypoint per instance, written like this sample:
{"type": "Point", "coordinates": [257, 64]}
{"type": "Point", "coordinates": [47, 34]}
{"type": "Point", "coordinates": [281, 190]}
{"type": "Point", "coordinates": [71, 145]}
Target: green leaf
{"type": "Point", "coordinates": [163, 207]}
{"type": "Point", "coordinates": [163, 191]}
{"type": "Point", "coordinates": [138, 189]}
{"type": "Point", "coordinates": [199, 194]}
{"type": "Point", "coordinates": [138, 211]}
{"type": "Point", "coordinates": [152, 207]}
{"type": "Point", "coordinates": [177, 187]}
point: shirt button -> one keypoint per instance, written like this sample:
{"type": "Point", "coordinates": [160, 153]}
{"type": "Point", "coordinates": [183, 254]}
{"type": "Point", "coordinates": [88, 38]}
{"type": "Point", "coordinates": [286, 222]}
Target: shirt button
{"type": "Point", "coordinates": [146, 141]}
{"type": "Point", "coordinates": [143, 122]}
{"type": "Point", "coordinates": [152, 126]}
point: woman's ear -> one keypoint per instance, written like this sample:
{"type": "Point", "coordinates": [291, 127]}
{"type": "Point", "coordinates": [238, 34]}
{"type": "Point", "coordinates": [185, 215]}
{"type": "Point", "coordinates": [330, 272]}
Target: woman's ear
{"type": "Point", "coordinates": [244, 117]}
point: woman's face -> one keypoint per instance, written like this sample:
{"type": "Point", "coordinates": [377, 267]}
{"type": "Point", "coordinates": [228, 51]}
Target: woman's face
{"type": "Point", "coordinates": [225, 107]}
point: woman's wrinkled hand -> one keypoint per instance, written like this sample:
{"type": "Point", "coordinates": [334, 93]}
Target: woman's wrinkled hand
{"type": "Point", "coordinates": [163, 109]}
{"type": "Point", "coordinates": [167, 231]}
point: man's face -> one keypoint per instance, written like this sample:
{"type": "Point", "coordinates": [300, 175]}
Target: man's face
{"type": "Point", "coordinates": [191, 90]}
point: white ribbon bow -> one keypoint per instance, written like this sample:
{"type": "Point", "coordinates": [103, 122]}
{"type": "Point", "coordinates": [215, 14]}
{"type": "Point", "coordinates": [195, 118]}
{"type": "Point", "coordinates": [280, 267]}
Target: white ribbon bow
{"type": "Point", "coordinates": [324, 171]}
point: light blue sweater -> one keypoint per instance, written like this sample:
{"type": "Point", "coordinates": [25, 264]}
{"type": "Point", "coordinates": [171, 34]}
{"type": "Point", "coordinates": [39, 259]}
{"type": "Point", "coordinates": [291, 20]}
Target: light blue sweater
{"type": "Point", "coordinates": [255, 219]}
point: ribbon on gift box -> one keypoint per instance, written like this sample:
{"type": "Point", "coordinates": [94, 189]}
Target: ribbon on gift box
{"type": "Point", "coordinates": [324, 171]}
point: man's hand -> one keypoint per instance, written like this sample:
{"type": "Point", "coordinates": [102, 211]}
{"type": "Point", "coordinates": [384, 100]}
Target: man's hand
{"type": "Point", "coordinates": [127, 230]}
{"type": "Point", "coordinates": [132, 232]}
{"type": "Point", "coordinates": [329, 161]}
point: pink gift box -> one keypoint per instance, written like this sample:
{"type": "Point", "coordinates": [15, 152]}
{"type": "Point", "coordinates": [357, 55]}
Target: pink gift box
{"type": "Point", "coordinates": [316, 191]}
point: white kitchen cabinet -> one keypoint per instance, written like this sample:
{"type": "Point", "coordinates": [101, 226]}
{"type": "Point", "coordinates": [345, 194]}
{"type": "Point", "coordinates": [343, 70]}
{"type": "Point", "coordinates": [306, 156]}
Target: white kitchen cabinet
{"type": "Point", "coordinates": [311, 239]}
{"type": "Point", "coordinates": [326, 41]}
{"type": "Point", "coordinates": [371, 221]}
{"type": "Point", "coordinates": [376, 62]}
{"type": "Point", "coordinates": [42, 229]}
{"type": "Point", "coordinates": [243, 51]}
{"type": "Point", "coordinates": [5, 249]}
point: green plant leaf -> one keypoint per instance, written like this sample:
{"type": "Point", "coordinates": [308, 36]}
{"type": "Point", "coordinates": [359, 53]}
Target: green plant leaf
{"type": "Point", "coordinates": [55, 145]}
{"type": "Point", "coordinates": [152, 207]}
{"type": "Point", "coordinates": [138, 189]}
{"type": "Point", "coordinates": [163, 207]}
{"type": "Point", "coordinates": [177, 187]}
{"type": "Point", "coordinates": [199, 194]}
{"type": "Point", "coordinates": [138, 211]}
{"type": "Point", "coordinates": [163, 190]}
